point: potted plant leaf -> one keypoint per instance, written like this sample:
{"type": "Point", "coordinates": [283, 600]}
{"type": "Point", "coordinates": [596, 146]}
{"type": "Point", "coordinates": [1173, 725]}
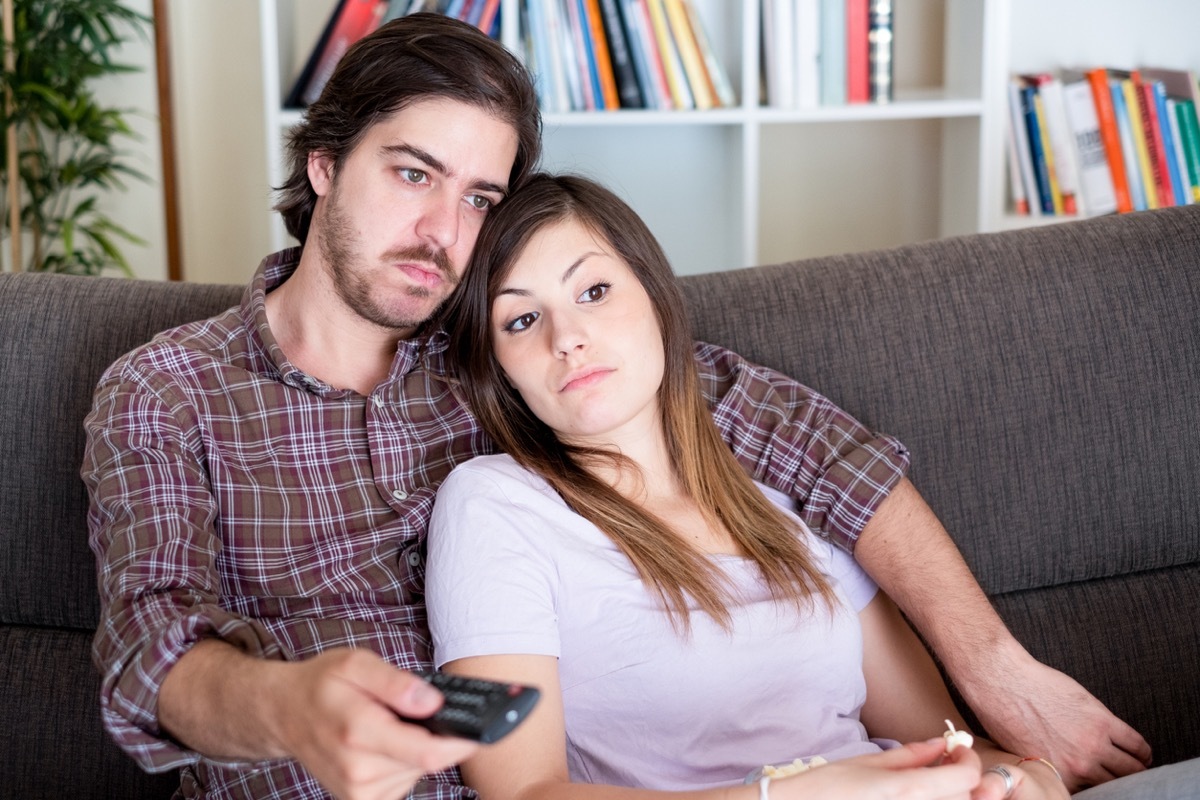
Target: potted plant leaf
{"type": "Point", "coordinates": [66, 140]}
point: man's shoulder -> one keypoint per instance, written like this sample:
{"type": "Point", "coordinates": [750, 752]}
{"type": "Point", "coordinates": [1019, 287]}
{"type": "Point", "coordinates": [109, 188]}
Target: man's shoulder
{"type": "Point", "coordinates": [220, 340]}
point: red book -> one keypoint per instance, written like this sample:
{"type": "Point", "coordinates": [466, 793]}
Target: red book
{"type": "Point", "coordinates": [858, 84]}
{"type": "Point", "coordinates": [1148, 112]}
{"type": "Point", "coordinates": [350, 21]}
{"type": "Point", "coordinates": [1109, 134]}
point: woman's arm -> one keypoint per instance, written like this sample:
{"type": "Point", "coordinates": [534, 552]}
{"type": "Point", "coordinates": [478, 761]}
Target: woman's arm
{"type": "Point", "coordinates": [907, 700]}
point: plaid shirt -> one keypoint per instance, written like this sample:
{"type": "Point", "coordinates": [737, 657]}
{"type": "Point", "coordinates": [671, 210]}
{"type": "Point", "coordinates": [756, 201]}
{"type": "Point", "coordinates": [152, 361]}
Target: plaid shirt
{"type": "Point", "coordinates": [235, 497]}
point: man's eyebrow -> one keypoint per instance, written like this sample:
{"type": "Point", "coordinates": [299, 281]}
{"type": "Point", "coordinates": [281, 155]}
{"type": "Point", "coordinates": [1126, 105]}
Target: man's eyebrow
{"type": "Point", "coordinates": [437, 165]}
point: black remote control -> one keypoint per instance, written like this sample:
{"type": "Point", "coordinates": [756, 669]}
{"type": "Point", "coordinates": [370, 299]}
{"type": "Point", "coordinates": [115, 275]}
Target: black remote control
{"type": "Point", "coordinates": [477, 709]}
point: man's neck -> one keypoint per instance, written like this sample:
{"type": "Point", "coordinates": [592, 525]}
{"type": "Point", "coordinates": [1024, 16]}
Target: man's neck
{"type": "Point", "coordinates": [323, 337]}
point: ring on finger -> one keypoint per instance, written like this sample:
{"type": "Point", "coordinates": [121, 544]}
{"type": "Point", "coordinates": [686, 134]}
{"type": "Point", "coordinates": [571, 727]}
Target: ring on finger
{"type": "Point", "coordinates": [1010, 782]}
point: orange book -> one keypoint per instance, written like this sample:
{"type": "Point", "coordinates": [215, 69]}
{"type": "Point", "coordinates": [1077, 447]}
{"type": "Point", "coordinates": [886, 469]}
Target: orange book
{"type": "Point", "coordinates": [1098, 79]}
{"type": "Point", "coordinates": [608, 81]}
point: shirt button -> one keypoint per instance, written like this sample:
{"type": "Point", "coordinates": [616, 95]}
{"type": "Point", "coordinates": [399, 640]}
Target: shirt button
{"type": "Point", "coordinates": [378, 401]}
{"type": "Point", "coordinates": [414, 558]}
{"type": "Point", "coordinates": [400, 494]}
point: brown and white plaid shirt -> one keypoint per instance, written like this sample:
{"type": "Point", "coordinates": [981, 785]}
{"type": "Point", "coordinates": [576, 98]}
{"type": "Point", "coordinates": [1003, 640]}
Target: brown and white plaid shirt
{"type": "Point", "coordinates": [233, 496]}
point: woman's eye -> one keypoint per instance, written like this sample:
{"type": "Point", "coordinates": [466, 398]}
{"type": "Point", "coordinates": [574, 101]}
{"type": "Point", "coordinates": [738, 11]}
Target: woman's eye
{"type": "Point", "coordinates": [479, 202]}
{"type": "Point", "coordinates": [413, 175]}
{"type": "Point", "coordinates": [594, 293]}
{"type": "Point", "coordinates": [521, 323]}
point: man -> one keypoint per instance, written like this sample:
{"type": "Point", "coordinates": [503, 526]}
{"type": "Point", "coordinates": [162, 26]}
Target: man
{"type": "Point", "coordinates": [261, 481]}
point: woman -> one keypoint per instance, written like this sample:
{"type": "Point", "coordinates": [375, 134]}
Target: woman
{"type": "Point", "coordinates": [685, 628]}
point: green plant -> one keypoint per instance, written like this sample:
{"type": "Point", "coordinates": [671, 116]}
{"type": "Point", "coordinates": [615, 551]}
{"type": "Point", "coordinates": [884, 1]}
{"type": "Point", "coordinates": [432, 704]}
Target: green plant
{"type": "Point", "coordinates": [66, 140]}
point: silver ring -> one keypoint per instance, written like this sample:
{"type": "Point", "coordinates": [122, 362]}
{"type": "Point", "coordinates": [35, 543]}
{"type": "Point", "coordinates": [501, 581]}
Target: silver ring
{"type": "Point", "coordinates": [1010, 783]}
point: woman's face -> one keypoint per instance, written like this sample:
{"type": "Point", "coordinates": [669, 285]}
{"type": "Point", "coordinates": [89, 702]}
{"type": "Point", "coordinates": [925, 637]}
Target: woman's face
{"type": "Point", "coordinates": [577, 336]}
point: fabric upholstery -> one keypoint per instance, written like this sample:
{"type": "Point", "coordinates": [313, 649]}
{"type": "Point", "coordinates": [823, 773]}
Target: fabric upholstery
{"type": "Point", "coordinates": [1047, 382]}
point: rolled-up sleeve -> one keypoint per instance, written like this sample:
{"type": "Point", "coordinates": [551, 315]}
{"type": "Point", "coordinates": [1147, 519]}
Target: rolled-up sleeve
{"type": "Point", "coordinates": [152, 529]}
{"type": "Point", "coordinates": [798, 442]}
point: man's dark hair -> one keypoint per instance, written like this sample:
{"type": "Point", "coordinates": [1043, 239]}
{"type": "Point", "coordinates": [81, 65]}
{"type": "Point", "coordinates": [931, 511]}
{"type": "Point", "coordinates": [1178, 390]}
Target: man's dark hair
{"type": "Point", "coordinates": [413, 58]}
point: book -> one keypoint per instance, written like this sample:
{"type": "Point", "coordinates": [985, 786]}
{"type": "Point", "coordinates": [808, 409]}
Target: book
{"type": "Point", "coordinates": [720, 80]}
{"type": "Point", "coordinates": [1096, 193]}
{"type": "Point", "coordinates": [833, 52]}
{"type": "Point", "coordinates": [644, 31]}
{"type": "Point", "coordinates": [1156, 155]}
{"type": "Point", "coordinates": [1179, 157]}
{"type": "Point", "coordinates": [1047, 153]}
{"type": "Point", "coordinates": [879, 50]}
{"type": "Point", "coordinates": [1110, 135]}
{"type": "Point", "coordinates": [566, 78]}
{"type": "Point", "coordinates": [858, 83]}
{"type": "Point", "coordinates": [778, 24]}
{"type": "Point", "coordinates": [589, 81]}
{"type": "Point", "coordinates": [1146, 169]}
{"type": "Point", "coordinates": [350, 21]}
{"type": "Point", "coordinates": [1037, 152]}
{"type": "Point", "coordinates": [489, 16]}
{"type": "Point", "coordinates": [1189, 126]}
{"type": "Point", "coordinates": [806, 41]}
{"type": "Point", "coordinates": [1020, 200]}
{"type": "Point", "coordinates": [629, 91]}
{"type": "Point", "coordinates": [1019, 136]}
{"type": "Point", "coordinates": [1156, 96]}
{"type": "Point", "coordinates": [689, 55]}
{"type": "Point", "coordinates": [681, 93]}
{"type": "Point", "coordinates": [600, 52]}
{"type": "Point", "coordinates": [1180, 85]}
{"type": "Point", "coordinates": [1062, 152]}
{"type": "Point", "coordinates": [1133, 173]}
{"type": "Point", "coordinates": [539, 59]}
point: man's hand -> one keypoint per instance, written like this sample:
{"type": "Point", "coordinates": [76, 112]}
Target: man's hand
{"type": "Point", "coordinates": [334, 713]}
{"type": "Point", "coordinates": [1040, 711]}
{"type": "Point", "coordinates": [914, 770]}
{"type": "Point", "coordinates": [341, 725]}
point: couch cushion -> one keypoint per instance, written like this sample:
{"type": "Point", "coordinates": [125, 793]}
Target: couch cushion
{"type": "Point", "coordinates": [57, 334]}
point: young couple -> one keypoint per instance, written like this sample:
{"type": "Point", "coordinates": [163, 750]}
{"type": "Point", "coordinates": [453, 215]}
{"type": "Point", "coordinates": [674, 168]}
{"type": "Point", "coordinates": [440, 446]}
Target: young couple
{"type": "Point", "coordinates": [262, 482]}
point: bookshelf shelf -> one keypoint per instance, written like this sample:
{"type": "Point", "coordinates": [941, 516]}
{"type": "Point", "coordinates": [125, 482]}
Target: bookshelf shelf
{"type": "Point", "coordinates": [701, 178]}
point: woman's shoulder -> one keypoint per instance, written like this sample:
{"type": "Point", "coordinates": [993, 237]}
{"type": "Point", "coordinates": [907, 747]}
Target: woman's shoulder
{"type": "Point", "coordinates": [499, 471]}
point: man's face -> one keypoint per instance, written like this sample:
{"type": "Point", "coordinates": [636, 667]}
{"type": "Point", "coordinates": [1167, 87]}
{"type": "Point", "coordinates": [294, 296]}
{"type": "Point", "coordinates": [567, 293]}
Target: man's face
{"type": "Point", "coordinates": [396, 222]}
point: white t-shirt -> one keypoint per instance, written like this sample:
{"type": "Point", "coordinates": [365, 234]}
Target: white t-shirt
{"type": "Point", "coordinates": [512, 570]}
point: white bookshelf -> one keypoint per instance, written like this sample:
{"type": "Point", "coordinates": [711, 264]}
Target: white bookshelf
{"type": "Point", "coordinates": [749, 185]}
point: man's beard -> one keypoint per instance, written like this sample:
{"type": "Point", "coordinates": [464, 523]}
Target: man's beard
{"type": "Point", "coordinates": [337, 242]}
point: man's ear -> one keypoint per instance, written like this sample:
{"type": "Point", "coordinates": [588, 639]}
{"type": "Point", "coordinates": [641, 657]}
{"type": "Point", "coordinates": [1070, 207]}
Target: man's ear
{"type": "Point", "coordinates": [320, 172]}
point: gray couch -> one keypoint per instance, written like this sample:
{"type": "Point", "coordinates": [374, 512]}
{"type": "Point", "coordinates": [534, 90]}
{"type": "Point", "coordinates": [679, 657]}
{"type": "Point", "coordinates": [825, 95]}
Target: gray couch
{"type": "Point", "coordinates": [1047, 382]}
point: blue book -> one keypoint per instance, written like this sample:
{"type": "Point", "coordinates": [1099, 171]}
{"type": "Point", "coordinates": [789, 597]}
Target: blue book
{"type": "Point", "coordinates": [1168, 136]}
{"type": "Point", "coordinates": [833, 52]}
{"type": "Point", "coordinates": [1041, 170]}
{"type": "Point", "coordinates": [590, 55]}
{"type": "Point", "coordinates": [1137, 191]}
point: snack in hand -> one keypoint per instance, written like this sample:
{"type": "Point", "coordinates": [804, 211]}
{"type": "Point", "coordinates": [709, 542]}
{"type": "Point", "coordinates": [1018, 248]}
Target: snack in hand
{"type": "Point", "coordinates": [956, 738]}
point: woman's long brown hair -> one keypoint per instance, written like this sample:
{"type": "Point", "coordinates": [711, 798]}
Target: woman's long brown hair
{"type": "Point", "coordinates": [706, 468]}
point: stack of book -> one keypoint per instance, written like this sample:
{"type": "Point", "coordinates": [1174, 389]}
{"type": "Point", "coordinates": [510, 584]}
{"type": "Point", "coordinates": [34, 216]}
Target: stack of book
{"type": "Point", "coordinates": [353, 19]}
{"type": "Point", "coordinates": [603, 55]}
{"type": "Point", "coordinates": [826, 52]}
{"type": "Point", "coordinates": [1096, 141]}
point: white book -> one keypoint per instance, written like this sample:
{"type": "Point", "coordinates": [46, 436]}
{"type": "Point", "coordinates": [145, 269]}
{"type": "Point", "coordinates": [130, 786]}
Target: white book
{"type": "Point", "coordinates": [1096, 193]}
{"type": "Point", "coordinates": [807, 44]}
{"type": "Point", "coordinates": [1020, 134]}
{"type": "Point", "coordinates": [559, 42]}
{"type": "Point", "coordinates": [778, 26]}
{"type": "Point", "coordinates": [1065, 167]}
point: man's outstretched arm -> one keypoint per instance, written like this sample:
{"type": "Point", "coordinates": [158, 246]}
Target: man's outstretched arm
{"type": "Point", "coordinates": [1025, 705]}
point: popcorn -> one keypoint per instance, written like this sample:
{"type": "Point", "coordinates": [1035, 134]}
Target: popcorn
{"type": "Point", "coordinates": [797, 766]}
{"type": "Point", "coordinates": [955, 738]}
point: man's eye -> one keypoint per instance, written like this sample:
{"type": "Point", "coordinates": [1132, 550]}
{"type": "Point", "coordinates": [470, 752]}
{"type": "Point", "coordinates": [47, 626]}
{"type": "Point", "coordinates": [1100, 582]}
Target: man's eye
{"type": "Point", "coordinates": [594, 293]}
{"type": "Point", "coordinates": [521, 323]}
{"type": "Point", "coordinates": [414, 175]}
{"type": "Point", "coordinates": [479, 202]}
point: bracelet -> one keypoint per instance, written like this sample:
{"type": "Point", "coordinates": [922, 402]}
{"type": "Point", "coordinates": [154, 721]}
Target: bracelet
{"type": "Point", "coordinates": [1044, 761]}
{"type": "Point", "coordinates": [763, 783]}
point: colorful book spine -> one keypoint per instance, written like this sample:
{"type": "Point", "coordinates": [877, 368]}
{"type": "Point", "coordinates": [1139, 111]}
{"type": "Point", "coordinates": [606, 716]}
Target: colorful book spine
{"type": "Point", "coordinates": [1156, 151]}
{"type": "Point", "coordinates": [724, 89]}
{"type": "Point", "coordinates": [1189, 125]}
{"type": "Point", "coordinates": [645, 30]}
{"type": "Point", "coordinates": [1141, 152]}
{"type": "Point", "coordinates": [628, 90]}
{"type": "Point", "coordinates": [641, 59]}
{"type": "Point", "coordinates": [604, 65]}
{"type": "Point", "coordinates": [1019, 133]}
{"type": "Point", "coordinates": [1043, 128]}
{"type": "Point", "coordinates": [1040, 170]}
{"type": "Point", "coordinates": [1050, 90]}
{"type": "Point", "coordinates": [1110, 135]}
{"type": "Point", "coordinates": [858, 64]}
{"type": "Point", "coordinates": [589, 81]}
{"type": "Point", "coordinates": [1180, 158]}
{"type": "Point", "coordinates": [689, 55]}
{"type": "Point", "coordinates": [1133, 173]}
{"type": "Point", "coordinates": [1166, 124]}
{"type": "Point", "coordinates": [681, 93]}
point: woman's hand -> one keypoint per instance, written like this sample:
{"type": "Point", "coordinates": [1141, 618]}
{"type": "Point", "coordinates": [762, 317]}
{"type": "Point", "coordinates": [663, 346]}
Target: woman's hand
{"type": "Point", "coordinates": [916, 771]}
{"type": "Point", "coordinates": [1031, 781]}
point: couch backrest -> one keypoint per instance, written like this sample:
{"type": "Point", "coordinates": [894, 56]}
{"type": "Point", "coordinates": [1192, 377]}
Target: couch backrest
{"type": "Point", "coordinates": [1047, 382]}
{"type": "Point", "coordinates": [57, 334]}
